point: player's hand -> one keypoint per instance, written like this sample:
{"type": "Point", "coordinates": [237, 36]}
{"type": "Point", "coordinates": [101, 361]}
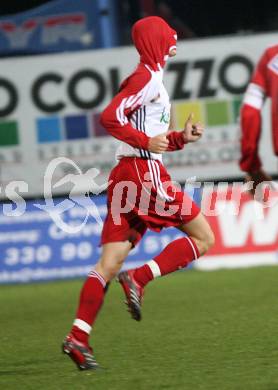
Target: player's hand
{"type": "Point", "coordinates": [192, 132]}
{"type": "Point", "coordinates": [159, 143]}
{"type": "Point", "coordinates": [257, 177]}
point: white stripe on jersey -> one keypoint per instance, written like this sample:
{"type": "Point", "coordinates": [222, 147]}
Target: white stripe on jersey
{"type": "Point", "coordinates": [120, 112]}
{"type": "Point", "coordinates": [131, 101]}
{"type": "Point", "coordinates": [254, 96]}
{"type": "Point", "coordinates": [134, 100]}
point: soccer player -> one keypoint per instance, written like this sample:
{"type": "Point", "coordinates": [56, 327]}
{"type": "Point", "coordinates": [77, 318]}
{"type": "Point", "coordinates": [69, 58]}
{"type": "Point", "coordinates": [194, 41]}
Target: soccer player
{"type": "Point", "coordinates": [263, 84]}
{"type": "Point", "coordinates": [139, 117]}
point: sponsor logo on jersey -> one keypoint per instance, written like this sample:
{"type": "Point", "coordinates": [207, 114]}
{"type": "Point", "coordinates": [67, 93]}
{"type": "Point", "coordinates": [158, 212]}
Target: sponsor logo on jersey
{"type": "Point", "coordinates": [273, 64]}
{"type": "Point", "coordinates": [165, 116]}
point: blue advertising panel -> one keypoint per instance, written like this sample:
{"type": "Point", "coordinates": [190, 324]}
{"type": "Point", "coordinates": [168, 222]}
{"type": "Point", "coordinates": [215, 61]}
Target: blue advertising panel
{"type": "Point", "coordinates": [60, 25]}
{"type": "Point", "coordinates": [40, 241]}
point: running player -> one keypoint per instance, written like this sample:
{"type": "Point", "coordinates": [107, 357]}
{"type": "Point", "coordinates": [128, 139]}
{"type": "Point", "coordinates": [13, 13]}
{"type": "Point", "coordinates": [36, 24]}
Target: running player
{"type": "Point", "coordinates": [141, 195]}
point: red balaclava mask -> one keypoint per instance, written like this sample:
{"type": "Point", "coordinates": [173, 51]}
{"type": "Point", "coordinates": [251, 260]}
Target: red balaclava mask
{"type": "Point", "coordinates": [153, 39]}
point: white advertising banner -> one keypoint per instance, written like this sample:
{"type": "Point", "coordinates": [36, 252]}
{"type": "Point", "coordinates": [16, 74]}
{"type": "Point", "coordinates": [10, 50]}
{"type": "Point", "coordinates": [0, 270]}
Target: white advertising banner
{"type": "Point", "coordinates": [50, 106]}
{"type": "Point", "coordinates": [246, 230]}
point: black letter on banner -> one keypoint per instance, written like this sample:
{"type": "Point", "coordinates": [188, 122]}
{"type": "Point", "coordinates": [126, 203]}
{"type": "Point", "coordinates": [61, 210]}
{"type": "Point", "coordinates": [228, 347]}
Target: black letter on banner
{"type": "Point", "coordinates": [181, 69]}
{"type": "Point", "coordinates": [115, 80]}
{"type": "Point", "coordinates": [90, 74]}
{"type": "Point", "coordinates": [13, 98]}
{"type": "Point", "coordinates": [36, 95]}
{"type": "Point", "coordinates": [234, 59]}
{"type": "Point", "coordinates": [206, 67]}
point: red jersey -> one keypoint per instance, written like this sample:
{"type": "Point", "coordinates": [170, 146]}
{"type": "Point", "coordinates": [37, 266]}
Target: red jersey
{"type": "Point", "coordinates": [263, 84]}
{"type": "Point", "coordinates": [141, 109]}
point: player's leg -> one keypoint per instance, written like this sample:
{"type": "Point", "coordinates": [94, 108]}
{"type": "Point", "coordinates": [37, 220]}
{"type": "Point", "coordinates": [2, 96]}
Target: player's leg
{"type": "Point", "coordinates": [180, 252]}
{"type": "Point", "coordinates": [176, 255]}
{"type": "Point", "coordinates": [91, 298]}
{"type": "Point", "coordinates": [92, 293]}
{"type": "Point", "coordinates": [199, 231]}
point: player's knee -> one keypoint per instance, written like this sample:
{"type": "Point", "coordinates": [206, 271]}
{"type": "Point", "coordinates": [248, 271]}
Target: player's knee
{"type": "Point", "coordinates": [110, 267]}
{"type": "Point", "coordinates": [205, 242]}
{"type": "Point", "coordinates": [111, 272]}
{"type": "Point", "coordinates": [108, 272]}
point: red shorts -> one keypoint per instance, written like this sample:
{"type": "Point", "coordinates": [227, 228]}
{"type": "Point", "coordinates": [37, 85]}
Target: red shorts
{"type": "Point", "coordinates": [141, 195]}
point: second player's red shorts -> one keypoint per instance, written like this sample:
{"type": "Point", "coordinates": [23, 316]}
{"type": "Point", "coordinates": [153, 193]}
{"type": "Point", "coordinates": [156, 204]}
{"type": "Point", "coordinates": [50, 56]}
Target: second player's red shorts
{"type": "Point", "coordinates": [141, 195]}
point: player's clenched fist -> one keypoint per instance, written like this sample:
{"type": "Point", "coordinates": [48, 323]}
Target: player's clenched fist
{"type": "Point", "coordinates": [192, 132]}
{"type": "Point", "coordinates": [159, 143]}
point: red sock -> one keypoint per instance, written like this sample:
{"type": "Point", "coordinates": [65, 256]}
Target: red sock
{"type": "Point", "coordinates": [178, 254]}
{"type": "Point", "coordinates": [91, 299]}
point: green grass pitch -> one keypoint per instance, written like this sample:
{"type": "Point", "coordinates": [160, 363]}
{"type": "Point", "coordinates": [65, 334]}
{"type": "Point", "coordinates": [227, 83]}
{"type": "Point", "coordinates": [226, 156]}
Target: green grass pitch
{"type": "Point", "coordinates": [216, 330]}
